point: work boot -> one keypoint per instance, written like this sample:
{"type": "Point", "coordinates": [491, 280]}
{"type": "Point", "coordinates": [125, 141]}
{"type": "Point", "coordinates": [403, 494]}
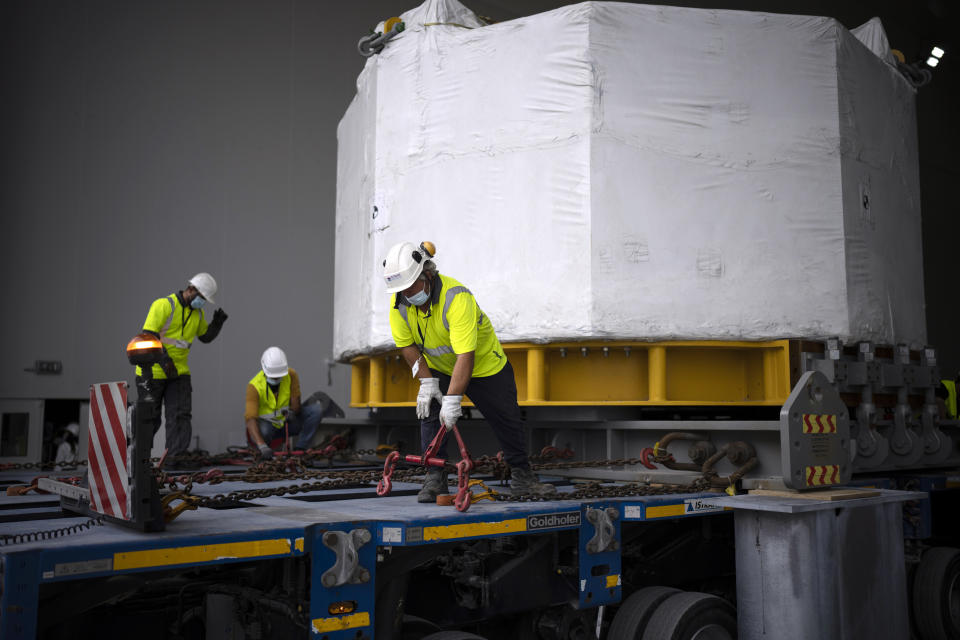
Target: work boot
{"type": "Point", "coordinates": [524, 481]}
{"type": "Point", "coordinates": [433, 485]}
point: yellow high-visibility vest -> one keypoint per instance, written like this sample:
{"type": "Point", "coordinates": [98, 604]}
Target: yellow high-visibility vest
{"type": "Point", "coordinates": [177, 326]}
{"type": "Point", "coordinates": [272, 405]}
{"type": "Point", "coordinates": [951, 398]}
{"type": "Point", "coordinates": [453, 324]}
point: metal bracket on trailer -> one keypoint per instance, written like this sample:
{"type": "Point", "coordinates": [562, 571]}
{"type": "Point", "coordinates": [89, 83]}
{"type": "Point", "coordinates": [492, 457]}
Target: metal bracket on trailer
{"type": "Point", "coordinates": [815, 435]}
{"type": "Point", "coordinates": [599, 553]}
{"type": "Point", "coordinates": [605, 536]}
{"type": "Point", "coordinates": [347, 568]}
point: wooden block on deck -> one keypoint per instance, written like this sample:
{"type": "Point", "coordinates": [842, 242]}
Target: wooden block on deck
{"type": "Point", "coordinates": [822, 494]}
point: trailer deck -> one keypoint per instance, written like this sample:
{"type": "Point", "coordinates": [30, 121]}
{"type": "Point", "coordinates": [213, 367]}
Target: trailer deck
{"type": "Point", "coordinates": [294, 525]}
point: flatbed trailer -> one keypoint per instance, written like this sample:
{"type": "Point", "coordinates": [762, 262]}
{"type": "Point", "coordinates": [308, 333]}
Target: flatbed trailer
{"type": "Point", "coordinates": [42, 578]}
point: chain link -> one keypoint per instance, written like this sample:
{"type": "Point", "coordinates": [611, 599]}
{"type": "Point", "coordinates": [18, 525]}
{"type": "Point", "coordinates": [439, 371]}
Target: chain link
{"type": "Point", "coordinates": [35, 536]}
{"type": "Point", "coordinates": [277, 470]}
{"type": "Point", "coordinates": [42, 466]}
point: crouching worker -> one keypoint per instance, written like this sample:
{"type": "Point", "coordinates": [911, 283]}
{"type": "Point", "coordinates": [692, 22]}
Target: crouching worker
{"type": "Point", "coordinates": [273, 407]}
{"type": "Point", "coordinates": [450, 345]}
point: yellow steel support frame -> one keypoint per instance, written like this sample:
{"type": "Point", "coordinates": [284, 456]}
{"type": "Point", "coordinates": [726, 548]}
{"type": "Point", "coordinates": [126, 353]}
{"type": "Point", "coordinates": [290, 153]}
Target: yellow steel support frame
{"type": "Point", "coordinates": [622, 373]}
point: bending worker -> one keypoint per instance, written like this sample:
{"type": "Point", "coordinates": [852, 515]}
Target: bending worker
{"type": "Point", "coordinates": [273, 406]}
{"type": "Point", "coordinates": [451, 347]}
{"type": "Point", "coordinates": [177, 319]}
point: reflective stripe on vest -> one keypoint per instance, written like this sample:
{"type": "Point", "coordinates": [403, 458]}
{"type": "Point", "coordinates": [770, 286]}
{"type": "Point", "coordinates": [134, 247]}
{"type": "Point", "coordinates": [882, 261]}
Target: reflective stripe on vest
{"type": "Point", "coordinates": [181, 344]}
{"type": "Point", "coordinates": [270, 404]}
{"type": "Point", "coordinates": [453, 291]}
{"type": "Point", "coordinates": [442, 350]}
{"type": "Point", "coordinates": [448, 300]}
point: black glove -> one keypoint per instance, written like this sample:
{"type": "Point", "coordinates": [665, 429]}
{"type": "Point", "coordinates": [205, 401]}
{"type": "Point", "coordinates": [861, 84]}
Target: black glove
{"type": "Point", "coordinates": [169, 368]}
{"type": "Point", "coordinates": [266, 453]}
{"type": "Point", "coordinates": [213, 329]}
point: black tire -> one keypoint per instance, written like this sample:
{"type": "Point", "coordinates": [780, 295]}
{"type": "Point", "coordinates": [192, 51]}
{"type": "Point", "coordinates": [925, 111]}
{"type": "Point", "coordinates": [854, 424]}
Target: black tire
{"type": "Point", "coordinates": [453, 635]}
{"type": "Point", "coordinates": [414, 628]}
{"type": "Point", "coordinates": [635, 612]}
{"type": "Point", "coordinates": [936, 594]}
{"type": "Point", "coordinates": [684, 616]}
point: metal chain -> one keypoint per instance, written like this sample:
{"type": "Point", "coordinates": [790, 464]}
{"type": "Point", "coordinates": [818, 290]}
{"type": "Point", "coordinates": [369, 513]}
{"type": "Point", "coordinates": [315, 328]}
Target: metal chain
{"type": "Point", "coordinates": [42, 466]}
{"type": "Point", "coordinates": [35, 536]}
{"type": "Point", "coordinates": [271, 471]}
{"type": "Point", "coordinates": [341, 480]}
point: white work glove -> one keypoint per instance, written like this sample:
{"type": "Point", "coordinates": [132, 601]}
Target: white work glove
{"type": "Point", "coordinates": [266, 453]}
{"type": "Point", "coordinates": [429, 389]}
{"type": "Point", "coordinates": [450, 411]}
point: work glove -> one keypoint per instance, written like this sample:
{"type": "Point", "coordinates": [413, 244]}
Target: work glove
{"type": "Point", "coordinates": [266, 453]}
{"type": "Point", "coordinates": [213, 329]}
{"type": "Point", "coordinates": [429, 390]}
{"type": "Point", "coordinates": [450, 411]}
{"type": "Point", "coordinates": [169, 368]}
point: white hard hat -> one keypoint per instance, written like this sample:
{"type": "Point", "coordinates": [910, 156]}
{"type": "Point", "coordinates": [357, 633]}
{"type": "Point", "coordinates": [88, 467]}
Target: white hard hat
{"type": "Point", "coordinates": [404, 264]}
{"type": "Point", "coordinates": [73, 428]}
{"type": "Point", "coordinates": [274, 362]}
{"type": "Point", "coordinates": [205, 284]}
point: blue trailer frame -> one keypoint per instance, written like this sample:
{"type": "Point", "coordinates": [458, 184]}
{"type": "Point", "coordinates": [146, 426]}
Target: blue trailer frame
{"type": "Point", "coordinates": [284, 527]}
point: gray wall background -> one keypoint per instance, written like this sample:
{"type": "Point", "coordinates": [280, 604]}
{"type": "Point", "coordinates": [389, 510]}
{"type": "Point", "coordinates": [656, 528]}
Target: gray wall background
{"type": "Point", "coordinates": [145, 141]}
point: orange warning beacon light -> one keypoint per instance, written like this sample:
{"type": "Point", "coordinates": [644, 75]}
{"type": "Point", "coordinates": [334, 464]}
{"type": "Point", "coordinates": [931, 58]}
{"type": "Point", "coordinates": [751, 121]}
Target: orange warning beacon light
{"type": "Point", "coordinates": [144, 349]}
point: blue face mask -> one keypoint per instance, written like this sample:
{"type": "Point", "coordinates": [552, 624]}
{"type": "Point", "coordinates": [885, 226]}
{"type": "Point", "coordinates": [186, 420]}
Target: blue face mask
{"type": "Point", "coordinates": [418, 299]}
{"type": "Point", "coordinates": [273, 381]}
{"type": "Point", "coordinates": [198, 302]}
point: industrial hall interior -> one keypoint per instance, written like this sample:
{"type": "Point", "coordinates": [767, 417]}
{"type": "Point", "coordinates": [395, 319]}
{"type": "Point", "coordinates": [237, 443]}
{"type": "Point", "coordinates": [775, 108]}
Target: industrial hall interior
{"type": "Point", "coordinates": [480, 320]}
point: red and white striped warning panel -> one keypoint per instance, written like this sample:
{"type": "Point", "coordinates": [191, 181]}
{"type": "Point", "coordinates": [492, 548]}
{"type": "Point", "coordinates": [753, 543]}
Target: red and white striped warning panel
{"type": "Point", "coordinates": [819, 423]}
{"type": "Point", "coordinates": [107, 453]}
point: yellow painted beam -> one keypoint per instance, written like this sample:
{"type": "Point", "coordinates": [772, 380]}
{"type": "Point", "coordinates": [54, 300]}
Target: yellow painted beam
{"type": "Point", "coordinates": [614, 373]}
{"type": "Point", "coordinates": [377, 379]}
{"type": "Point", "coordinates": [536, 375]}
{"type": "Point", "coordinates": [357, 382]}
{"type": "Point", "coordinates": [657, 373]}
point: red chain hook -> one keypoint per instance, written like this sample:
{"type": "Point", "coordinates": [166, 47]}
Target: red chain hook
{"type": "Point", "coordinates": [430, 459]}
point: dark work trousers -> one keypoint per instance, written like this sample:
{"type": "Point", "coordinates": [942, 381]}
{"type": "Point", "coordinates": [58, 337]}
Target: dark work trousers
{"type": "Point", "coordinates": [176, 396]}
{"type": "Point", "coordinates": [496, 398]}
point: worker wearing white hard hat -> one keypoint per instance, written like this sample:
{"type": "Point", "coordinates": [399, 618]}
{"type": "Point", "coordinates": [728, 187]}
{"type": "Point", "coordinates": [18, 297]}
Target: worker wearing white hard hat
{"type": "Point", "coordinates": [178, 319]}
{"type": "Point", "coordinates": [273, 408]}
{"type": "Point", "coordinates": [452, 348]}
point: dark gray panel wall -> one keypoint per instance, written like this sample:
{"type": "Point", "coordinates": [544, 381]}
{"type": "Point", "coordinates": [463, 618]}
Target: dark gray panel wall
{"type": "Point", "coordinates": [146, 141]}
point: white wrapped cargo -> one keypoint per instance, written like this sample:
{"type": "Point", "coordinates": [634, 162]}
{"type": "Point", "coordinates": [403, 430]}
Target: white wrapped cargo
{"type": "Point", "coordinates": [610, 170]}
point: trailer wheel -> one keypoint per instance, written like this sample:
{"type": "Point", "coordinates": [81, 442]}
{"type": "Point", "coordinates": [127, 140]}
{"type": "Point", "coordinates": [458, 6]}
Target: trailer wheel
{"type": "Point", "coordinates": [635, 612]}
{"type": "Point", "coordinates": [692, 616]}
{"type": "Point", "coordinates": [415, 628]}
{"type": "Point", "coordinates": [936, 594]}
{"type": "Point", "coordinates": [453, 635]}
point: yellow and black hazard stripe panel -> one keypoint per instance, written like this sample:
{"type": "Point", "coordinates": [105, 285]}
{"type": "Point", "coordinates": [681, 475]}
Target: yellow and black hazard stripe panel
{"type": "Point", "coordinates": [819, 423]}
{"type": "Point", "coordinates": [822, 475]}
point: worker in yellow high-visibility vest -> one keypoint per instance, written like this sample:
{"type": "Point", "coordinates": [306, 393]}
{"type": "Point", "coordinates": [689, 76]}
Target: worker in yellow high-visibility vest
{"type": "Point", "coordinates": [176, 320]}
{"type": "Point", "coordinates": [450, 345]}
{"type": "Point", "coordinates": [947, 399]}
{"type": "Point", "coordinates": [273, 406]}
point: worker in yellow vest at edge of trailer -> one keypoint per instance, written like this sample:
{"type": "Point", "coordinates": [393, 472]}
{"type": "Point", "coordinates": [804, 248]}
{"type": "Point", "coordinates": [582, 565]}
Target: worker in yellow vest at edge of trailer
{"type": "Point", "coordinates": [273, 406]}
{"type": "Point", "coordinates": [947, 398]}
{"type": "Point", "coordinates": [450, 345]}
{"type": "Point", "coordinates": [176, 320]}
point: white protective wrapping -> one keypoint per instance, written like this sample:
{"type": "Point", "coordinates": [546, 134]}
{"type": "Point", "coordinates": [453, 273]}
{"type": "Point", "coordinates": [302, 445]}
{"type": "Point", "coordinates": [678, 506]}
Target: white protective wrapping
{"type": "Point", "coordinates": [610, 170]}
